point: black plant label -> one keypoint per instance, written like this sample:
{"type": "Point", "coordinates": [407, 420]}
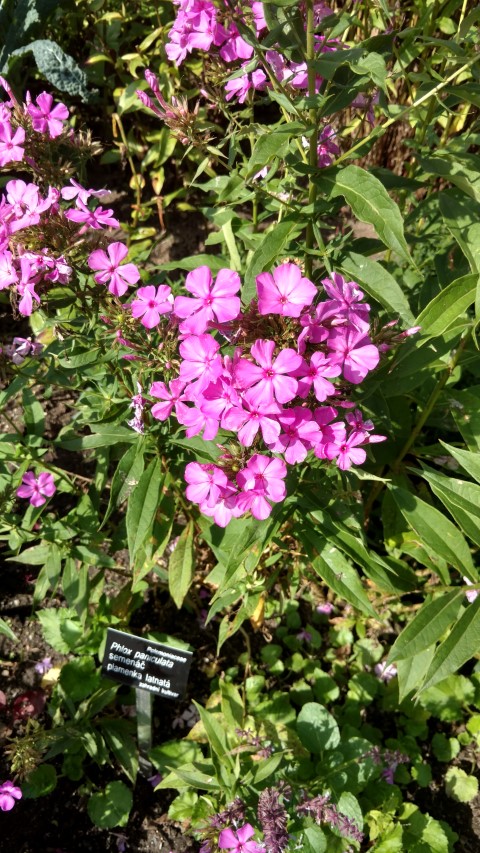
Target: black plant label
{"type": "Point", "coordinates": [146, 664]}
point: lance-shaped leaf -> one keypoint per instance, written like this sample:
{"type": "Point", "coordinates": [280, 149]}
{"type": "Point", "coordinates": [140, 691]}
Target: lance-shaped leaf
{"type": "Point", "coordinates": [181, 566]}
{"type": "Point", "coordinates": [142, 506]}
{"type": "Point", "coordinates": [461, 644]}
{"type": "Point", "coordinates": [429, 624]}
{"type": "Point", "coordinates": [447, 306]}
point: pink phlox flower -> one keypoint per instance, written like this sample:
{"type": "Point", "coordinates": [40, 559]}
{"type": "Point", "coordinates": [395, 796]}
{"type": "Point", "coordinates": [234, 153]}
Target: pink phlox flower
{"type": "Point", "coordinates": [193, 28]}
{"type": "Point", "coordinates": [355, 352]}
{"type": "Point", "coordinates": [77, 191]}
{"type": "Point", "coordinates": [8, 794]}
{"type": "Point", "coordinates": [246, 421]}
{"type": "Point", "coordinates": [111, 270]}
{"type": "Point", "coordinates": [317, 373]}
{"type": "Point", "coordinates": [26, 287]}
{"type": "Point", "coordinates": [26, 204]}
{"type": "Point", "coordinates": [162, 411]}
{"type": "Point", "coordinates": [97, 219]}
{"type": "Point", "coordinates": [200, 360]}
{"type": "Point", "coordinates": [355, 420]}
{"type": "Point", "coordinates": [8, 273]}
{"type": "Point", "coordinates": [44, 118]}
{"type": "Point", "coordinates": [269, 380]}
{"type": "Point", "coordinates": [240, 86]}
{"type": "Point", "coordinates": [327, 149]}
{"type": "Point", "coordinates": [22, 348]}
{"type": "Point", "coordinates": [262, 478]}
{"type": "Point", "coordinates": [150, 303]}
{"type": "Point", "coordinates": [218, 397]}
{"type": "Point", "coordinates": [212, 300]}
{"type": "Point", "coordinates": [285, 291]}
{"type": "Point", "coordinates": [205, 483]}
{"type": "Point", "coordinates": [58, 269]}
{"type": "Point", "coordinates": [348, 296]}
{"type": "Point", "coordinates": [232, 45]}
{"type": "Point", "coordinates": [195, 421]}
{"type": "Point", "coordinates": [238, 842]}
{"type": "Point", "coordinates": [37, 489]}
{"type": "Point", "coordinates": [347, 453]}
{"type": "Point", "coordinates": [11, 149]}
{"type": "Point", "coordinates": [225, 507]}
{"type": "Point", "coordinates": [300, 433]}
{"type": "Point", "coordinates": [331, 433]}
{"type": "Point", "coordinates": [259, 17]}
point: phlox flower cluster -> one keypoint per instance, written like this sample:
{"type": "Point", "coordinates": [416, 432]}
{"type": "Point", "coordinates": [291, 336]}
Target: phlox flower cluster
{"type": "Point", "coordinates": [204, 25]}
{"type": "Point", "coordinates": [275, 376]}
{"type": "Point", "coordinates": [38, 226]}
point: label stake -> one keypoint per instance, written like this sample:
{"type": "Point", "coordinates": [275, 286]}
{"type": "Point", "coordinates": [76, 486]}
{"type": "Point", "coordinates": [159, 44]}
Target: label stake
{"type": "Point", "coordinates": [144, 703]}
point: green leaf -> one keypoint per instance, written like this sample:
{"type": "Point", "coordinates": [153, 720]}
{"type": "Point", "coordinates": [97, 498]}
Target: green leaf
{"type": "Point", "coordinates": [469, 461]}
{"type": "Point", "coordinates": [370, 203]}
{"type": "Point", "coordinates": [106, 435]}
{"type": "Point", "coordinates": [216, 736]}
{"type": "Point", "coordinates": [317, 729]}
{"type": "Point", "coordinates": [122, 745]}
{"type": "Point", "coordinates": [79, 678]}
{"type": "Point", "coordinates": [142, 506]}
{"type": "Point", "coordinates": [125, 478]}
{"type": "Point", "coordinates": [431, 621]}
{"type": "Point", "coordinates": [461, 169]}
{"type": "Point", "coordinates": [42, 781]}
{"type": "Point", "coordinates": [379, 284]}
{"type": "Point", "coordinates": [459, 786]}
{"type": "Point", "coordinates": [314, 840]}
{"type": "Point", "coordinates": [181, 566]}
{"type": "Point", "coordinates": [7, 631]}
{"type": "Point", "coordinates": [59, 68]}
{"type": "Point", "coordinates": [268, 251]}
{"type": "Point", "coordinates": [52, 622]}
{"type": "Point", "coordinates": [445, 308]}
{"type": "Point", "coordinates": [411, 672]}
{"type": "Point", "coordinates": [461, 644]}
{"type": "Point", "coordinates": [111, 807]}
{"type": "Point", "coordinates": [436, 531]}
{"type": "Point", "coordinates": [272, 143]}
{"type": "Point", "coordinates": [333, 568]}
{"type": "Point", "coordinates": [461, 498]}
{"type": "Point", "coordinates": [462, 218]}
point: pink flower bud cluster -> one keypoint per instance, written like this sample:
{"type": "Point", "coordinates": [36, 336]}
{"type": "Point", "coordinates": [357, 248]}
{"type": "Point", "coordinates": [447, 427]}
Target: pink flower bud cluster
{"type": "Point", "coordinates": [278, 382]}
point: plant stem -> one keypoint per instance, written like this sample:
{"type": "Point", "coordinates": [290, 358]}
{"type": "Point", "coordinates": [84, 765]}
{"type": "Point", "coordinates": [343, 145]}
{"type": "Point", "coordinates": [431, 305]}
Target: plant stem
{"type": "Point", "coordinates": [312, 158]}
{"type": "Point", "coordinates": [138, 189]}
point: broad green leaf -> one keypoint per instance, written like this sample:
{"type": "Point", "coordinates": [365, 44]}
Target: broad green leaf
{"type": "Point", "coordinates": [436, 531]}
{"type": "Point", "coordinates": [190, 774]}
{"type": "Point", "coordinates": [181, 566]}
{"type": "Point", "coordinates": [111, 807]}
{"type": "Point", "coordinates": [379, 284]}
{"type": "Point", "coordinates": [142, 506]}
{"type": "Point", "coordinates": [333, 568]}
{"type": "Point", "coordinates": [269, 250]}
{"type": "Point", "coordinates": [273, 143]}
{"type": "Point", "coordinates": [460, 786]}
{"type": "Point", "coordinates": [370, 203]}
{"type": "Point", "coordinates": [317, 729]}
{"type": "Point", "coordinates": [232, 705]}
{"type": "Point", "coordinates": [33, 413]}
{"type": "Point", "coordinates": [469, 461]}
{"type": "Point", "coordinates": [314, 840]}
{"type": "Point", "coordinates": [465, 408]}
{"type": "Point", "coordinates": [447, 306]}
{"type": "Point", "coordinates": [462, 218]}
{"type": "Point", "coordinates": [215, 262]}
{"type": "Point", "coordinates": [431, 621]}
{"type": "Point", "coordinates": [461, 644]}
{"type": "Point", "coordinates": [79, 678]}
{"type": "Point", "coordinates": [42, 781]}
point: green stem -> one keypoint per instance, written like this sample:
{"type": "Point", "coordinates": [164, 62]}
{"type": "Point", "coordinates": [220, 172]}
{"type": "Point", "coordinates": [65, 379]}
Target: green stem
{"type": "Point", "coordinates": [313, 157]}
{"type": "Point", "coordinates": [138, 189]}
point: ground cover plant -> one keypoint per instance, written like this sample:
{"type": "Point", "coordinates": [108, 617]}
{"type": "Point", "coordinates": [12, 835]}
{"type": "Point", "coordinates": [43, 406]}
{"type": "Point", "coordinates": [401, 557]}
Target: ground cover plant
{"type": "Point", "coordinates": [263, 447]}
